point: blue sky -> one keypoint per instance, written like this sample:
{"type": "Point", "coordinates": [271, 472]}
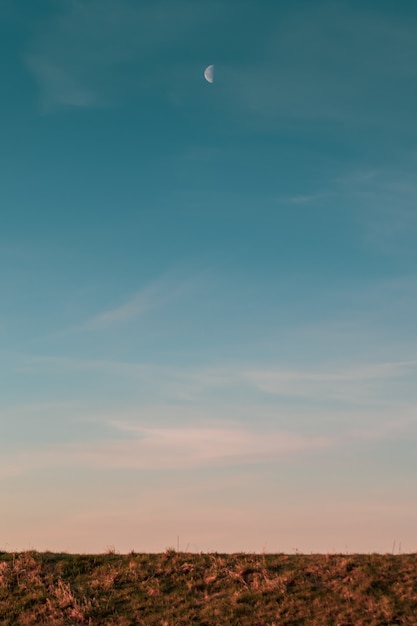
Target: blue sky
{"type": "Point", "coordinates": [208, 306]}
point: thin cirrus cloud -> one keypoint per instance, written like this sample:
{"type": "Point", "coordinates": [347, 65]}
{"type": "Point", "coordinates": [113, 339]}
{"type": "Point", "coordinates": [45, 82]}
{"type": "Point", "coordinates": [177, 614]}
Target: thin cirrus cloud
{"type": "Point", "coordinates": [189, 446]}
{"type": "Point", "coordinates": [318, 68]}
{"type": "Point", "coordinates": [60, 86]}
{"type": "Point", "coordinates": [382, 201]}
{"type": "Point", "coordinates": [337, 383]}
{"type": "Point", "coordinates": [75, 56]}
{"type": "Point", "coordinates": [157, 294]}
{"type": "Point", "coordinates": [371, 384]}
{"type": "Point", "coordinates": [354, 383]}
{"type": "Point", "coordinates": [167, 448]}
{"type": "Point", "coordinates": [138, 304]}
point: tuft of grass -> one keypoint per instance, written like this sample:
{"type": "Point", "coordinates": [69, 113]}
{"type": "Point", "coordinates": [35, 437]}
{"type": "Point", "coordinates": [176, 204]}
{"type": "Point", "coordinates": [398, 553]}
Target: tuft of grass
{"type": "Point", "coordinates": [177, 588]}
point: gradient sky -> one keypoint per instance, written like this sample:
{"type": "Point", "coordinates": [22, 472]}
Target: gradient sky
{"type": "Point", "coordinates": [208, 291]}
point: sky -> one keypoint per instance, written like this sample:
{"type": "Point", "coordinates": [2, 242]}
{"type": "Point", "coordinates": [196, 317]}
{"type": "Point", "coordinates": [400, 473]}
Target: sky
{"type": "Point", "coordinates": [208, 300]}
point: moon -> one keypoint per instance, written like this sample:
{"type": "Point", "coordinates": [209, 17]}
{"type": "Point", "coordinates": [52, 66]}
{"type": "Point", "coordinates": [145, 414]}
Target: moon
{"type": "Point", "coordinates": [209, 73]}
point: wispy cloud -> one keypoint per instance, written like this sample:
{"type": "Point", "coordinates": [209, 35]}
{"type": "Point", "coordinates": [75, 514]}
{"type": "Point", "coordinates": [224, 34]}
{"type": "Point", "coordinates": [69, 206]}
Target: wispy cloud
{"type": "Point", "coordinates": [148, 298]}
{"type": "Point", "coordinates": [76, 55]}
{"type": "Point", "coordinates": [385, 203]}
{"type": "Point", "coordinates": [316, 64]}
{"type": "Point", "coordinates": [381, 202]}
{"type": "Point", "coordinates": [352, 384]}
{"type": "Point", "coordinates": [359, 384]}
{"type": "Point", "coordinates": [155, 295]}
{"type": "Point", "coordinates": [185, 446]}
{"type": "Point", "coordinates": [168, 448]}
{"type": "Point", "coordinates": [59, 86]}
{"type": "Point", "coordinates": [305, 199]}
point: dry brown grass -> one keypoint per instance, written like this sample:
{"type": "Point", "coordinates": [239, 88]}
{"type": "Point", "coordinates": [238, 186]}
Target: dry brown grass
{"type": "Point", "coordinates": [177, 588]}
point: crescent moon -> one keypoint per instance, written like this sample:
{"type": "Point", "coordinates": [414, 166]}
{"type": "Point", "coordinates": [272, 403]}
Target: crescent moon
{"type": "Point", "coordinates": [209, 73]}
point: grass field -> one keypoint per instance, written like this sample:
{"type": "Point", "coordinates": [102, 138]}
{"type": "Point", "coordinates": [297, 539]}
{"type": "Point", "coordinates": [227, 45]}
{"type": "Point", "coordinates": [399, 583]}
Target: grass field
{"type": "Point", "coordinates": [178, 588]}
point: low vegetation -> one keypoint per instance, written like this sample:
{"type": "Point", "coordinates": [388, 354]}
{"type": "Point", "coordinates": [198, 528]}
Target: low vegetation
{"type": "Point", "coordinates": [177, 588]}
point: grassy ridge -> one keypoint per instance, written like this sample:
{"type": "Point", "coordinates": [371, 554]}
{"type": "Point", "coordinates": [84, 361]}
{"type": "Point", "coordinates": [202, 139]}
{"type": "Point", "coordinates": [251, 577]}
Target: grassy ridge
{"type": "Point", "coordinates": [176, 588]}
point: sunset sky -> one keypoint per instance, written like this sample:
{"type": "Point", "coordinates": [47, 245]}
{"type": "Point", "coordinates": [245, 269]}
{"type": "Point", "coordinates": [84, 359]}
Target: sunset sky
{"type": "Point", "coordinates": [208, 304]}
